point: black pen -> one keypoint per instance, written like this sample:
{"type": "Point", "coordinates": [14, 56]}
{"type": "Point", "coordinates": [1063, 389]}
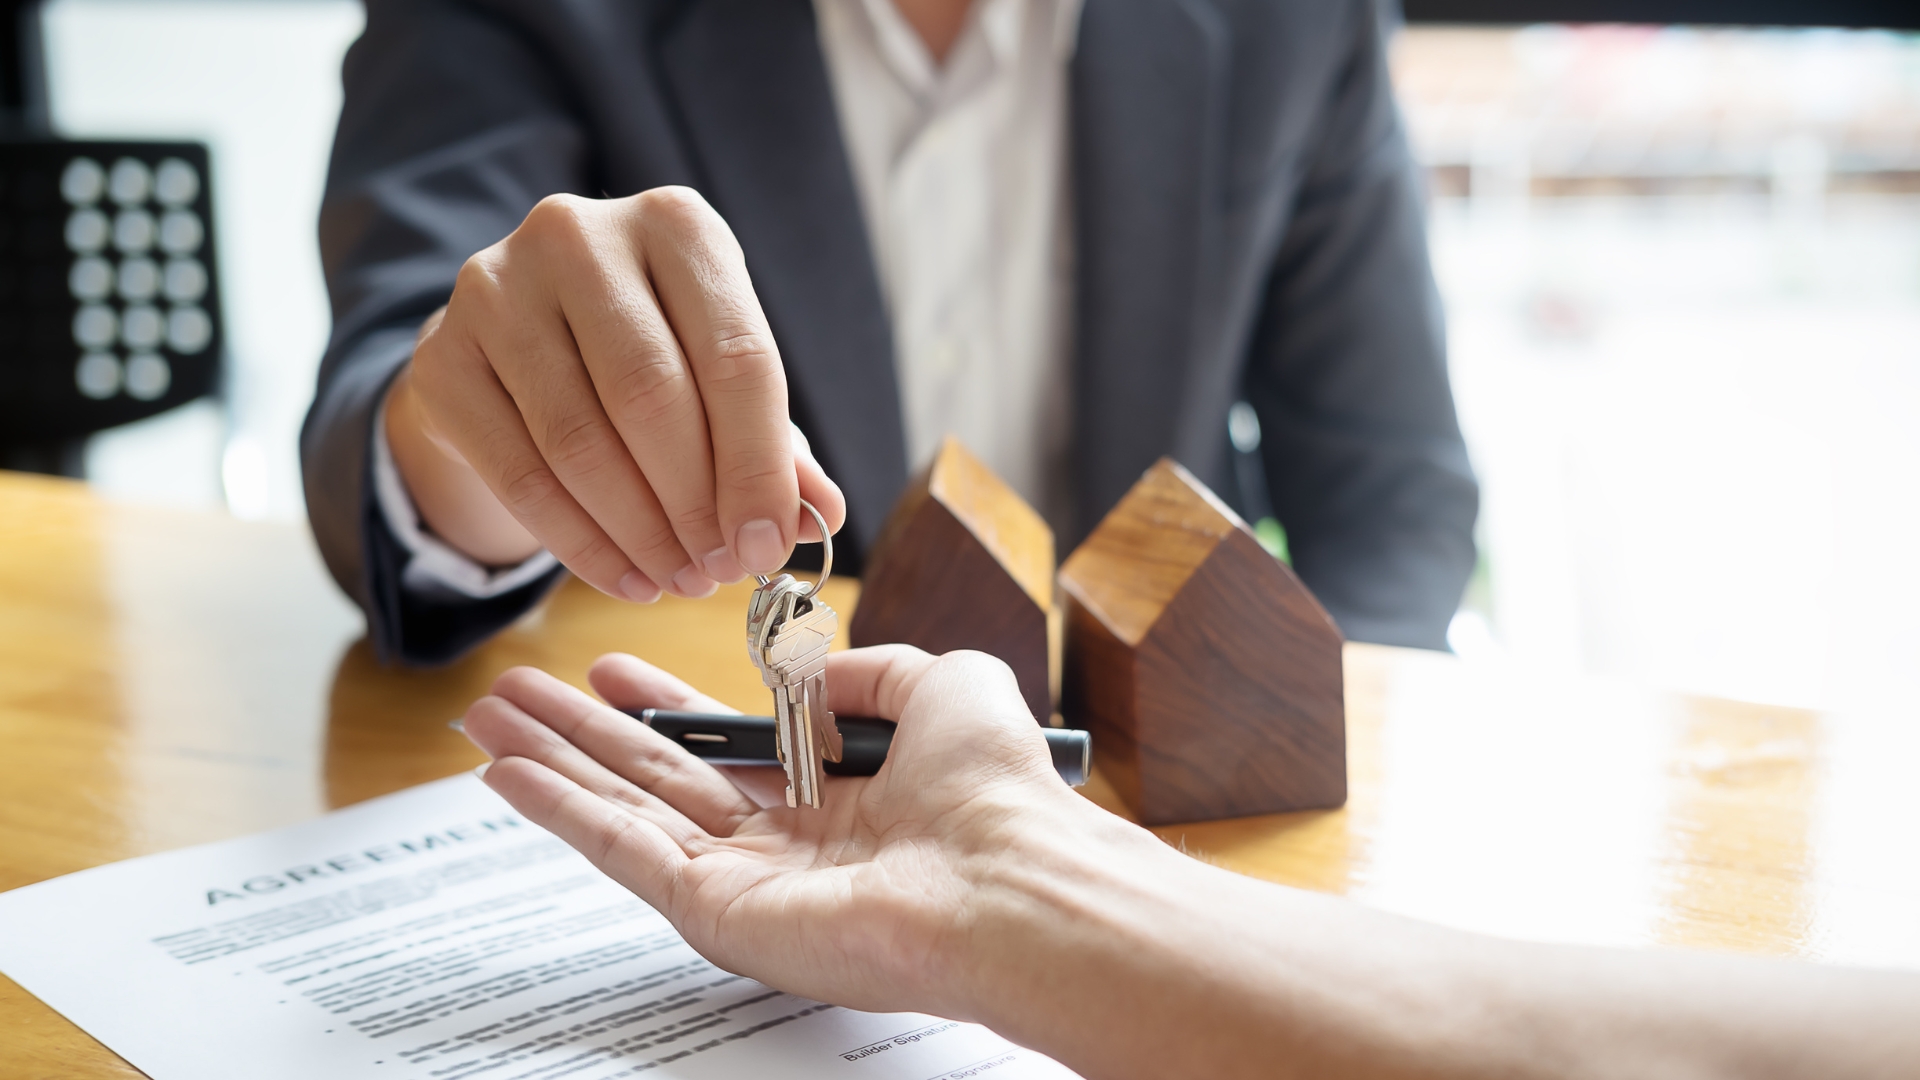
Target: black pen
{"type": "Point", "coordinates": [731, 739]}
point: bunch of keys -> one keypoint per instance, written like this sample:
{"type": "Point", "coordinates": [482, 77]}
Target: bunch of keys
{"type": "Point", "coordinates": [789, 629]}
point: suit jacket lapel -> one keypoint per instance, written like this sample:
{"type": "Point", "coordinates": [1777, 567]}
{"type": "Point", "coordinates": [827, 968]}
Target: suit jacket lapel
{"type": "Point", "coordinates": [751, 88]}
{"type": "Point", "coordinates": [1148, 87]}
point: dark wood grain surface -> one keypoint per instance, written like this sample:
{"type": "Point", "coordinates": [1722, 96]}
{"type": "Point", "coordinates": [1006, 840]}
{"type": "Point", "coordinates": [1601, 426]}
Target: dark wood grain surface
{"type": "Point", "coordinates": [1208, 674]}
{"type": "Point", "coordinates": [964, 563]}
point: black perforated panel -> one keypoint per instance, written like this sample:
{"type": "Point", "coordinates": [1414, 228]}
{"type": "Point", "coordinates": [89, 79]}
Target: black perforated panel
{"type": "Point", "coordinates": [109, 298]}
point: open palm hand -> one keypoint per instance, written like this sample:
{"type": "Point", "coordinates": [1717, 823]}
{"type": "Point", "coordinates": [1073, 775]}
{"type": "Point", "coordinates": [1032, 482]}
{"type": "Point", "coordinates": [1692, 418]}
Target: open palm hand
{"type": "Point", "coordinates": [860, 903]}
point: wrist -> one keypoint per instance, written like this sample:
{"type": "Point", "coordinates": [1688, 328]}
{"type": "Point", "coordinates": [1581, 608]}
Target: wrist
{"type": "Point", "coordinates": [453, 502]}
{"type": "Point", "coordinates": [1092, 940]}
{"type": "Point", "coordinates": [1089, 939]}
{"type": "Point", "coordinates": [1060, 890]}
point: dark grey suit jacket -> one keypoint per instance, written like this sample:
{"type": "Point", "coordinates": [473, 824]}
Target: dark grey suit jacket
{"type": "Point", "coordinates": [1247, 222]}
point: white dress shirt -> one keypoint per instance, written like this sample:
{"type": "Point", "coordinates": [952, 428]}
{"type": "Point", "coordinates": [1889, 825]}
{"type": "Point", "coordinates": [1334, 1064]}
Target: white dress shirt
{"type": "Point", "coordinates": [961, 169]}
{"type": "Point", "coordinates": [962, 174]}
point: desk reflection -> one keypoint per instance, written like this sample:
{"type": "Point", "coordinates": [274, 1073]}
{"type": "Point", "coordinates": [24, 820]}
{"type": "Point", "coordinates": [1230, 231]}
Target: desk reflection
{"type": "Point", "coordinates": [387, 727]}
{"type": "Point", "coordinates": [1744, 788]}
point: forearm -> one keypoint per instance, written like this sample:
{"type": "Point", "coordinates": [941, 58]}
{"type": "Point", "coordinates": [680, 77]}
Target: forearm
{"type": "Point", "coordinates": [1122, 958]}
{"type": "Point", "coordinates": [456, 505]}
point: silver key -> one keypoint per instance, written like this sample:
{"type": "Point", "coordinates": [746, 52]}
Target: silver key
{"type": "Point", "coordinates": [789, 630]}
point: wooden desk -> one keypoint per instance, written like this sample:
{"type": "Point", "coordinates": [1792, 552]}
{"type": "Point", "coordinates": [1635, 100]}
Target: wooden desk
{"type": "Point", "coordinates": [170, 678]}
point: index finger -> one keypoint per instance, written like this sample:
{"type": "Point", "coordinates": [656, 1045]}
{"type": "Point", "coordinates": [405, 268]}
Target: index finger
{"type": "Point", "coordinates": [627, 845]}
{"type": "Point", "coordinates": [632, 751]}
{"type": "Point", "coordinates": [700, 276]}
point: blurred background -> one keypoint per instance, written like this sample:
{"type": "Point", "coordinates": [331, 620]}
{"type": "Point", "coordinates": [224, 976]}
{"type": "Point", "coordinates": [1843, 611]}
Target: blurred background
{"type": "Point", "coordinates": [1681, 268]}
{"type": "Point", "coordinates": [1682, 276]}
{"type": "Point", "coordinates": [258, 81]}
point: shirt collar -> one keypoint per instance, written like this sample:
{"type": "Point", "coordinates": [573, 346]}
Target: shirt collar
{"type": "Point", "coordinates": [999, 24]}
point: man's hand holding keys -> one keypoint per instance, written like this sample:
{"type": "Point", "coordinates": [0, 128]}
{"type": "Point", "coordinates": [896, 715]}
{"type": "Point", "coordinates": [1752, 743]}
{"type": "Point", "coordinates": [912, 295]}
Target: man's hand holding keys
{"type": "Point", "coordinates": [604, 384]}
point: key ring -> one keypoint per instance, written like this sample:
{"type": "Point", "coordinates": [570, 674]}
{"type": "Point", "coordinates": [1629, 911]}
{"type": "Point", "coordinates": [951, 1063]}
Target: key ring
{"type": "Point", "coordinates": [826, 560]}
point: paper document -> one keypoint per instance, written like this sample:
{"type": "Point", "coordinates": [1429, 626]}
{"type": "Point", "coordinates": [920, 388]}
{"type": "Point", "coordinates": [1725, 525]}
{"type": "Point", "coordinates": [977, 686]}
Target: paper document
{"type": "Point", "coordinates": [429, 935]}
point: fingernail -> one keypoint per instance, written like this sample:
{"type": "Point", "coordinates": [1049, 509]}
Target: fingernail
{"type": "Point", "coordinates": [759, 547]}
{"type": "Point", "coordinates": [693, 584]}
{"type": "Point", "coordinates": [480, 770]}
{"type": "Point", "coordinates": [458, 724]}
{"type": "Point", "coordinates": [722, 566]}
{"type": "Point", "coordinates": [639, 588]}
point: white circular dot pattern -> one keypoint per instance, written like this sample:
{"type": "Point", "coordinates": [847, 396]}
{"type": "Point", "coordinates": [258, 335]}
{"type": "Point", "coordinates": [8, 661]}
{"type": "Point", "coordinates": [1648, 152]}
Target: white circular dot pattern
{"type": "Point", "coordinates": [148, 376]}
{"type": "Point", "coordinates": [133, 231]}
{"type": "Point", "coordinates": [90, 279]}
{"type": "Point", "coordinates": [132, 252]}
{"type": "Point", "coordinates": [87, 231]}
{"type": "Point", "coordinates": [139, 280]}
{"type": "Point", "coordinates": [95, 326]}
{"type": "Point", "coordinates": [98, 375]}
{"type": "Point", "coordinates": [181, 232]}
{"type": "Point", "coordinates": [130, 182]}
{"type": "Point", "coordinates": [83, 182]}
{"type": "Point", "coordinates": [185, 282]}
{"type": "Point", "coordinates": [175, 183]}
{"type": "Point", "coordinates": [188, 330]}
{"type": "Point", "coordinates": [141, 327]}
